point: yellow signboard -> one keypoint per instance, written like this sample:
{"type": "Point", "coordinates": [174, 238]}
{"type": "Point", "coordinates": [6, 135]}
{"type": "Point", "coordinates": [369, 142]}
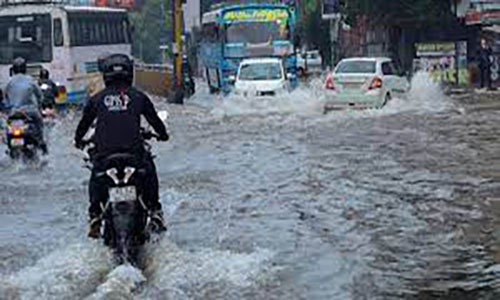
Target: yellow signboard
{"type": "Point", "coordinates": [263, 15]}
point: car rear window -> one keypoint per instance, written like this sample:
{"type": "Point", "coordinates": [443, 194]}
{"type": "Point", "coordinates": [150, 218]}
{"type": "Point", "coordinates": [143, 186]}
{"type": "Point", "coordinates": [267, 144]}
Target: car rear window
{"type": "Point", "coordinates": [356, 66]}
{"type": "Point", "coordinates": [261, 71]}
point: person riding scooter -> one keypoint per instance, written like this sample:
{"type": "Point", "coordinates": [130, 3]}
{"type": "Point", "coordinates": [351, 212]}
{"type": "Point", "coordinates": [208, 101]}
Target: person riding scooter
{"type": "Point", "coordinates": [49, 91]}
{"type": "Point", "coordinates": [117, 110]}
{"type": "Point", "coordinates": [22, 94]}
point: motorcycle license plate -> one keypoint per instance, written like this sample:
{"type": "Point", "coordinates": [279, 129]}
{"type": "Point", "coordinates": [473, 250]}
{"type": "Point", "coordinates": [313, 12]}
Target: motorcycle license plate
{"type": "Point", "coordinates": [17, 142]}
{"type": "Point", "coordinates": [119, 194]}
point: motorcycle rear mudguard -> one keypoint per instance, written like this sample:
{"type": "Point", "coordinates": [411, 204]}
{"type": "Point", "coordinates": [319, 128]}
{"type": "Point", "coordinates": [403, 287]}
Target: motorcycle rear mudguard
{"type": "Point", "coordinates": [125, 229]}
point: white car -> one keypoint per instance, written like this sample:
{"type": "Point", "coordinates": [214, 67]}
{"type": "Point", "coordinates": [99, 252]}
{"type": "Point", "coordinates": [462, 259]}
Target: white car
{"type": "Point", "coordinates": [261, 77]}
{"type": "Point", "coordinates": [364, 83]}
{"type": "Point", "coordinates": [309, 62]}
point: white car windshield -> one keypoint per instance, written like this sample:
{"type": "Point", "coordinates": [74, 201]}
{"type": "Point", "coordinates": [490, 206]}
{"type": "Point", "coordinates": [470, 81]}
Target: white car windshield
{"type": "Point", "coordinates": [356, 66]}
{"type": "Point", "coordinates": [261, 71]}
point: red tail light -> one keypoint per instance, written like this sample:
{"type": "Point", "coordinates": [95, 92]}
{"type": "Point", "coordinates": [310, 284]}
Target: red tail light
{"type": "Point", "coordinates": [329, 84]}
{"type": "Point", "coordinates": [17, 132]}
{"type": "Point", "coordinates": [376, 83]}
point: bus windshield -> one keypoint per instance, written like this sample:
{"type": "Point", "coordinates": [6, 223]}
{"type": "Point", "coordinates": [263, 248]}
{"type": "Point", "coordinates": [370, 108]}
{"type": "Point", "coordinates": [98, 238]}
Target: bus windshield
{"type": "Point", "coordinates": [256, 32]}
{"type": "Point", "coordinates": [26, 36]}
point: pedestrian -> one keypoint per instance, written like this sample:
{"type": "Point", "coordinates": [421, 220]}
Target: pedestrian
{"type": "Point", "coordinates": [484, 58]}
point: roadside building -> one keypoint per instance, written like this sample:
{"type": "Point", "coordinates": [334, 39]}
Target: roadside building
{"type": "Point", "coordinates": [484, 15]}
{"type": "Point", "coordinates": [442, 48]}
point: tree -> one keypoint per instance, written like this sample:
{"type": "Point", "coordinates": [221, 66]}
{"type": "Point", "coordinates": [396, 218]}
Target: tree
{"type": "Point", "coordinates": [151, 26]}
{"type": "Point", "coordinates": [314, 32]}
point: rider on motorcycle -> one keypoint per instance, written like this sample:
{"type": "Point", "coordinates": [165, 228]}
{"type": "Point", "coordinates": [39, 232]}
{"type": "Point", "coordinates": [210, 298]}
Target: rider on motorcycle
{"type": "Point", "coordinates": [49, 90]}
{"type": "Point", "coordinates": [23, 94]}
{"type": "Point", "coordinates": [118, 109]}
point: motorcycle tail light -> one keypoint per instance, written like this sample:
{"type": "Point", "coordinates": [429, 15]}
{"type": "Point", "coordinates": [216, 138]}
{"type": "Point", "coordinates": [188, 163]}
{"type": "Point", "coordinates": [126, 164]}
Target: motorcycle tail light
{"type": "Point", "coordinates": [16, 131]}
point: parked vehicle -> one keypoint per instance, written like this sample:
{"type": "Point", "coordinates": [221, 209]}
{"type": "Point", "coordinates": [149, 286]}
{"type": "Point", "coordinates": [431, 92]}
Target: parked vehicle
{"type": "Point", "coordinates": [309, 63]}
{"type": "Point", "coordinates": [261, 77]}
{"type": "Point", "coordinates": [364, 83]}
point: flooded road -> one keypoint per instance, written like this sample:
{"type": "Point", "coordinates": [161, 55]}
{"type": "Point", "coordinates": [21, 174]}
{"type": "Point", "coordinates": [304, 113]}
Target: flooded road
{"type": "Point", "coordinates": [274, 200]}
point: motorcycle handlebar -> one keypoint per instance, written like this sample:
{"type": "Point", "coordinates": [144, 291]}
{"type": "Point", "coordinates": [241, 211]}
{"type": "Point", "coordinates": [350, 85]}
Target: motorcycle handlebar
{"type": "Point", "coordinates": [148, 135]}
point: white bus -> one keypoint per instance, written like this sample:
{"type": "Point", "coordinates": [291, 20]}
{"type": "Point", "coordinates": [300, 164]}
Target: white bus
{"type": "Point", "coordinates": [66, 40]}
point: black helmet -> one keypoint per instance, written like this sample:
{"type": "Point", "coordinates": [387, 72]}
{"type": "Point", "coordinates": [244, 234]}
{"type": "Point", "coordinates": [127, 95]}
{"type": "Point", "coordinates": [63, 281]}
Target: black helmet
{"type": "Point", "coordinates": [117, 68]}
{"type": "Point", "coordinates": [19, 66]}
{"type": "Point", "coordinates": [44, 74]}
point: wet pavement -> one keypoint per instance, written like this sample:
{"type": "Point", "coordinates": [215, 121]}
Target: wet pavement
{"type": "Point", "coordinates": [271, 199]}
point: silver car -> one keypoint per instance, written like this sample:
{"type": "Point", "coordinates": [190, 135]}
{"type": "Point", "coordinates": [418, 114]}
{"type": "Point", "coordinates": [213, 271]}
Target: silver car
{"type": "Point", "coordinates": [364, 83]}
{"type": "Point", "coordinates": [309, 63]}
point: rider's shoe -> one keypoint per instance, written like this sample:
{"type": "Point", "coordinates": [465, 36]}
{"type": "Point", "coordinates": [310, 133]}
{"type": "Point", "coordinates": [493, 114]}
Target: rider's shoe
{"type": "Point", "coordinates": [94, 228]}
{"type": "Point", "coordinates": [158, 222]}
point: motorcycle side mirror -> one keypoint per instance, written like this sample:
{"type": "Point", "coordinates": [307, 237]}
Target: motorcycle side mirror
{"type": "Point", "coordinates": [163, 115]}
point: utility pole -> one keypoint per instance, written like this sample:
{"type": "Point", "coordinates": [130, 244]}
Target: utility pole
{"type": "Point", "coordinates": [177, 82]}
{"type": "Point", "coordinates": [457, 55]}
{"type": "Point", "coordinates": [331, 12]}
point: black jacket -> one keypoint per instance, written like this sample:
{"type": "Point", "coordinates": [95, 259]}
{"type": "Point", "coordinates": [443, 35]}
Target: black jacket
{"type": "Point", "coordinates": [50, 93]}
{"type": "Point", "coordinates": [484, 55]}
{"type": "Point", "coordinates": [118, 111]}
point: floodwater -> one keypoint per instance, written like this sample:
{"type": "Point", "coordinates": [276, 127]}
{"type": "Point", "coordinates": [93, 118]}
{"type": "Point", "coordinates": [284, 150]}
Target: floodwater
{"type": "Point", "coordinates": [271, 199]}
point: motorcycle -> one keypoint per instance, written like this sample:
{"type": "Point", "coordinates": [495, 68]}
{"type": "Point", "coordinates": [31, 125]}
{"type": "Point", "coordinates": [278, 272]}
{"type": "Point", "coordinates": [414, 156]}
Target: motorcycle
{"type": "Point", "coordinates": [127, 222]}
{"type": "Point", "coordinates": [48, 102]}
{"type": "Point", "coordinates": [19, 137]}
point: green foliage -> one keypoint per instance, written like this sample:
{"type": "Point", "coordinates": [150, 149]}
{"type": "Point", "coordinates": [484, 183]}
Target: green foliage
{"type": "Point", "coordinates": [150, 26]}
{"type": "Point", "coordinates": [313, 31]}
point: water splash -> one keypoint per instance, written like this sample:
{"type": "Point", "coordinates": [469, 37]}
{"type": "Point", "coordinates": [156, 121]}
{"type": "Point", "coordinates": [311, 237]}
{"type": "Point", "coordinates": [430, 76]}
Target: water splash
{"type": "Point", "coordinates": [121, 283]}
{"type": "Point", "coordinates": [309, 98]}
{"type": "Point", "coordinates": [303, 100]}
{"type": "Point", "coordinates": [69, 273]}
{"type": "Point", "coordinates": [171, 271]}
{"type": "Point", "coordinates": [425, 95]}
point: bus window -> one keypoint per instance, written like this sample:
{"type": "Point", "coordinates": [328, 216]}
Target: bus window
{"type": "Point", "coordinates": [119, 32]}
{"type": "Point", "coordinates": [82, 33]}
{"type": "Point", "coordinates": [58, 33]}
{"type": "Point", "coordinates": [102, 28]}
{"type": "Point", "coordinates": [126, 31]}
{"type": "Point", "coordinates": [112, 32]}
{"type": "Point", "coordinates": [72, 33]}
{"type": "Point", "coordinates": [98, 29]}
{"type": "Point", "coordinates": [97, 32]}
{"type": "Point", "coordinates": [26, 36]}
